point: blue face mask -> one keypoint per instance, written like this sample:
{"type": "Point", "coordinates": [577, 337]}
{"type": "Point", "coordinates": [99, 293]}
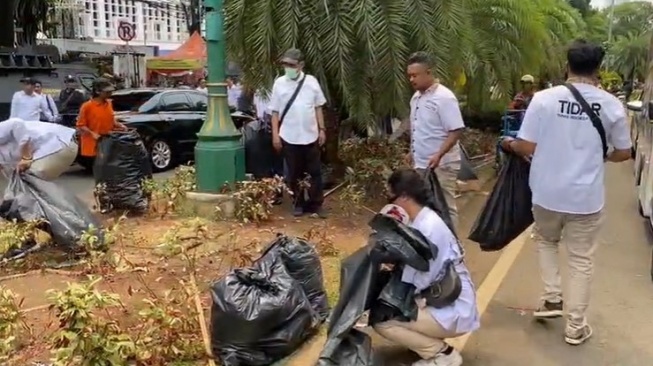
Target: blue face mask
{"type": "Point", "coordinates": [291, 72]}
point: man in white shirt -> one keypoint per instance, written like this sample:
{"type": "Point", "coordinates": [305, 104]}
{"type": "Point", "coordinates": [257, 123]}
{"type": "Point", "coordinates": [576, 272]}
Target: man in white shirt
{"type": "Point", "coordinates": [234, 91]}
{"type": "Point", "coordinates": [298, 130]}
{"type": "Point", "coordinates": [426, 335]}
{"type": "Point", "coordinates": [201, 86]}
{"type": "Point", "coordinates": [436, 125]}
{"type": "Point", "coordinates": [28, 105]}
{"type": "Point", "coordinates": [43, 149]}
{"type": "Point", "coordinates": [566, 178]}
{"type": "Point", "coordinates": [52, 106]}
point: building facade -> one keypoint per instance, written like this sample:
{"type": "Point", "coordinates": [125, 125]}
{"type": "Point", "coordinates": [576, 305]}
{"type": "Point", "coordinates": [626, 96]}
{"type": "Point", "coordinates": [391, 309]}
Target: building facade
{"type": "Point", "coordinates": [160, 23]}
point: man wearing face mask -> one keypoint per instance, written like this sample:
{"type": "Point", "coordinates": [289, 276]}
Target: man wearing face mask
{"type": "Point", "coordinates": [298, 130]}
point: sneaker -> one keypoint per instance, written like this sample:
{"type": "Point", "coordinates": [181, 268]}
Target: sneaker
{"type": "Point", "coordinates": [549, 310]}
{"type": "Point", "coordinates": [577, 336]}
{"type": "Point", "coordinates": [298, 211]}
{"type": "Point", "coordinates": [447, 357]}
{"type": "Point", "coordinates": [319, 213]}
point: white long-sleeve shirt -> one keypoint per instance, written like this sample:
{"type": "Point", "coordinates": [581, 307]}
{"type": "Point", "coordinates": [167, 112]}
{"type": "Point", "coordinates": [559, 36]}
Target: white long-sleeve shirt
{"type": "Point", "coordinates": [45, 138]}
{"type": "Point", "coordinates": [51, 107]}
{"type": "Point", "coordinates": [29, 107]}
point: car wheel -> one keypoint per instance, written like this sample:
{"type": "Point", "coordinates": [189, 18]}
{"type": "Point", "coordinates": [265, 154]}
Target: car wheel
{"type": "Point", "coordinates": [161, 155]}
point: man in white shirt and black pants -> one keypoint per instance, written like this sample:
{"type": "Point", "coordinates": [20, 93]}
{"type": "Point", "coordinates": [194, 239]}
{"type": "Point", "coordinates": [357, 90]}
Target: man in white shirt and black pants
{"type": "Point", "coordinates": [298, 129]}
{"type": "Point", "coordinates": [28, 105]}
{"type": "Point", "coordinates": [568, 131]}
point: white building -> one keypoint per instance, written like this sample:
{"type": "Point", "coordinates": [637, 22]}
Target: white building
{"type": "Point", "coordinates": [162, 25]}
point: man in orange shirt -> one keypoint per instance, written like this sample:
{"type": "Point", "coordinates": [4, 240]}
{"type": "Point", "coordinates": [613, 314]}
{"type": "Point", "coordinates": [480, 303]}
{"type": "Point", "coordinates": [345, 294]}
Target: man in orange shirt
{"type": "Point", "coordinates": [96, 118]}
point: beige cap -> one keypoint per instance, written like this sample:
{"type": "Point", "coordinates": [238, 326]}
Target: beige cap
{"type": "Point", "coordinates": [527, 79]}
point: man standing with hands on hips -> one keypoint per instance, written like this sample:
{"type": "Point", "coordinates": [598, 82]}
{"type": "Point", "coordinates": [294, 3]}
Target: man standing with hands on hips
{"type": "Point", "coordinates": [298, 130]}
{"type": "Point", "coordinates": [436, 125]}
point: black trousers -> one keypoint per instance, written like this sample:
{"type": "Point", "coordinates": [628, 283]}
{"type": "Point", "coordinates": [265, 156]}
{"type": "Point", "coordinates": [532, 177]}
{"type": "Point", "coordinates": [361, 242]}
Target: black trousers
{"type": "Point", "coordinates": [303, 160]}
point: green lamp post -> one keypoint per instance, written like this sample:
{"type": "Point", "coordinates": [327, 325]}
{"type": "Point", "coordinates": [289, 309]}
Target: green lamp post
{"type": "Point", "coordinates": [219, 153]}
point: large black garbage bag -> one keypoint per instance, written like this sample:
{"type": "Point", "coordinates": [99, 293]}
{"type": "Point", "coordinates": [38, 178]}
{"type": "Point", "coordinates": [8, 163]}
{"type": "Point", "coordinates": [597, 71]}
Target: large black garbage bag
{"type": "Point", "coordinates": [29, 198]}
{"type": "Point", "coordinates": [362, 285]}
{"type": "Point", "coordinates": [259, 315]}
{"type": "Point", "coordinates": [121, 164]}
{"type": "Point", "coordinates": [466, 172]}
{"type": "Point", "coordinates": [255, 152]}
{"type": "Point", "coordinates": [508, 210]}
{"type": "Point", "coordinates": [354, 350]}
{"type": "Point", "coordinates": [303, 264]}
{"type": "Point", "coordinates": [437, 202]}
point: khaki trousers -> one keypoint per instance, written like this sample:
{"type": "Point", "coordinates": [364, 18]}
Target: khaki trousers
{"type": "Point", "coordinates": [52, 166]}
{"type": "Point", "coordinates": [424, 336]}
{"type": "Point", "coordinates": [448, 178]}
{"type": "Point", "coordinates": [580, 235]}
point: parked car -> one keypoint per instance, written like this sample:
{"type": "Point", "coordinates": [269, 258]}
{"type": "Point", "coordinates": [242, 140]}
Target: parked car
{"type": "Point", "coordinates": [642, 135]}
{"type": "Point", "coordinates": [168, 120]}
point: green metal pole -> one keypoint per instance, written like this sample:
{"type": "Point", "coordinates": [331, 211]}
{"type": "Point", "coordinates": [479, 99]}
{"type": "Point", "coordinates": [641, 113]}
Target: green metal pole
{"type": "Point", "coordinates": [219, 153]}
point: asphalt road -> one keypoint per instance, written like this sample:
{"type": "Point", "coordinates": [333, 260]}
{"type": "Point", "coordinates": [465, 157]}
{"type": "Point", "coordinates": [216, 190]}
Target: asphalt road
{"type": "Point", "coordinates": [621, 311]}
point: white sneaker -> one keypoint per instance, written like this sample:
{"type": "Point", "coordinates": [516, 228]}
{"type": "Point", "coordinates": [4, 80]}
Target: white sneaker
{"type": "Point", "coordinates": [452, 359]}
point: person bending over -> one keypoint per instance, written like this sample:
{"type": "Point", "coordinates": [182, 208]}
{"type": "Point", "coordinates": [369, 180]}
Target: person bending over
{"type": "Point", "coordinates": [426, 335]}
{"type": "Point", "coordinates": [43, 149]}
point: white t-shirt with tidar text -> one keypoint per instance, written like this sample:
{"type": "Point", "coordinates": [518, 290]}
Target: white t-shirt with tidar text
{"type": "Point", "coordinates": [567, 170]}
{"type": "Point", "coordinates": [299, 126]}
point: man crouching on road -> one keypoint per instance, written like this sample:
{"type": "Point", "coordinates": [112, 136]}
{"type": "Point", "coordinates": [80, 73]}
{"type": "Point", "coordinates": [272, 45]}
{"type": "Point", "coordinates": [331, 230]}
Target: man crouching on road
{"type": "Point", "coordinates": [43, 149]}
{"type": "Point", "coordinates": [298, 130]}
{"type": "Point", "coordinates": [436, 125]}
{"type": "Point", "coordinates": [568, 152]}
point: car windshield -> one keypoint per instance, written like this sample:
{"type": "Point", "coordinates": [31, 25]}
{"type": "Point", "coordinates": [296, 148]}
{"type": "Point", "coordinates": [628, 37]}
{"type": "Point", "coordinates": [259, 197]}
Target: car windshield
{"type": "Point", "coordinates": [132, 101]}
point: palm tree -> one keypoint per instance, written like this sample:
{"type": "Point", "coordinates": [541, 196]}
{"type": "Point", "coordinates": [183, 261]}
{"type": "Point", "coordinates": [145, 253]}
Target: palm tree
{"type": "Point", "coordinates": [7, 29]}
{"type": "Point", "coordinates": [358, 48]}
{"type": "Point", "coordinates": [31, 16]}
{"type": "Point", "coordinates": [628, 54]}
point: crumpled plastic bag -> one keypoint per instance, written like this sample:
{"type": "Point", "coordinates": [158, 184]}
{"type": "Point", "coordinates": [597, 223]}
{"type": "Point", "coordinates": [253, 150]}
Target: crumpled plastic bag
{"type": "Point", "coordinates": [508, 209]}
{"type": "Point", "coordinates": [121, 164]}
{"type": "Point", "coordinates": [259, 315]}
{"type": "Point", "coordinates": [355, 350]}
{"type": "Point", "coordinates": [29, 198]}
{"type": "Point", "coordinates": [401, 242]}
{"type": "Point", "coordinates": [303, 264]}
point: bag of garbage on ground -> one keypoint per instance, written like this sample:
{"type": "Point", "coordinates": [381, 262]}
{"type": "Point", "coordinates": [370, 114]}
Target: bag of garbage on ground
{"type": "Point", "coordinates": [437, 202]}
{"type": "Point", "coordinates": [363, 286]}
{"type": "Point", "coordinates": [303, 264]}
{"type": "Point", "coordinates": [121, 164]}
{"type": "Point", "coordinates": [65, 217]}
{"type": "Point", "coordinates": [508, 209]}
{"type": "Point", "coordinates": [259, 315]}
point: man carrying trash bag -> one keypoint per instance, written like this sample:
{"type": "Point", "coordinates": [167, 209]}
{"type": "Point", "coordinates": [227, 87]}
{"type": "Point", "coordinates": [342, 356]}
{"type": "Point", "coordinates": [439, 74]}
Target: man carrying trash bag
{"type": "Point", "coordinates": [567, 130]}
{"type": "Point", "coordinates": [412, 278]}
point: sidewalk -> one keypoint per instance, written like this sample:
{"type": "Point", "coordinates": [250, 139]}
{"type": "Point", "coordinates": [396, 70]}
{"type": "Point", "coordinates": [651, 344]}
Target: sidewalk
{"type": "Point", "coordinates": [621, 311]}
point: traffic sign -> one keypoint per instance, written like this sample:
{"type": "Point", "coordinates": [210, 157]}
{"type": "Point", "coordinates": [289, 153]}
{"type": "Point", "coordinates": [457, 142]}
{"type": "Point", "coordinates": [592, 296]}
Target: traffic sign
{"type": "Point", "coordinates": [126, 31]}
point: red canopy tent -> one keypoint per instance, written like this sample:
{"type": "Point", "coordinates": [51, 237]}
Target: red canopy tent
{"type": "Point", "coordinates": [190, 56]}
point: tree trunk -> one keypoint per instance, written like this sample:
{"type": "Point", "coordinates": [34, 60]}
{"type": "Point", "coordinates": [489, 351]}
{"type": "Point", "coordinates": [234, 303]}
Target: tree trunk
{"type": "Point", "coordinates": [332, 124]}
{"type": "Point", "coordinates": [7, 24]}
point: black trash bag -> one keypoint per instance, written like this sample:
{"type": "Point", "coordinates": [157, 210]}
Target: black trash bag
{"type": "Point", "coordinates": [354, 350]}
{"type": "Point", "coordinates": [255, 152]}
{"type": "Point", "coordinates": [362, 283]}
{"type": "Point", "coordinates": [303, 264]}
{"type": "Point", "coordinates": [259, 315]}
{"type": "Point", "coordinates": [401, 242]}
{"type": "Point", "coordinates": [508, 210]}
{"type": "Point", "coordinates": [29, 198]}
{"type": "Point", "coordinates": [436, 201]}
{"type": "Point", "coordinates": [121, 164]}
{"type": "Point", "coordinates": [466, 172]}
{"type": "Point", "coordinates": [398, 296]}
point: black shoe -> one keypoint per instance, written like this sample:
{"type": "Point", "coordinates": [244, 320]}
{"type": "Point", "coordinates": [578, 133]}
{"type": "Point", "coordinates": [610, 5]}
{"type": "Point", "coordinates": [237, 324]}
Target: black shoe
{"type": "Point", "coordinates": [549, 310]}
{"type": "Point", "coordinates": [298, 211]}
